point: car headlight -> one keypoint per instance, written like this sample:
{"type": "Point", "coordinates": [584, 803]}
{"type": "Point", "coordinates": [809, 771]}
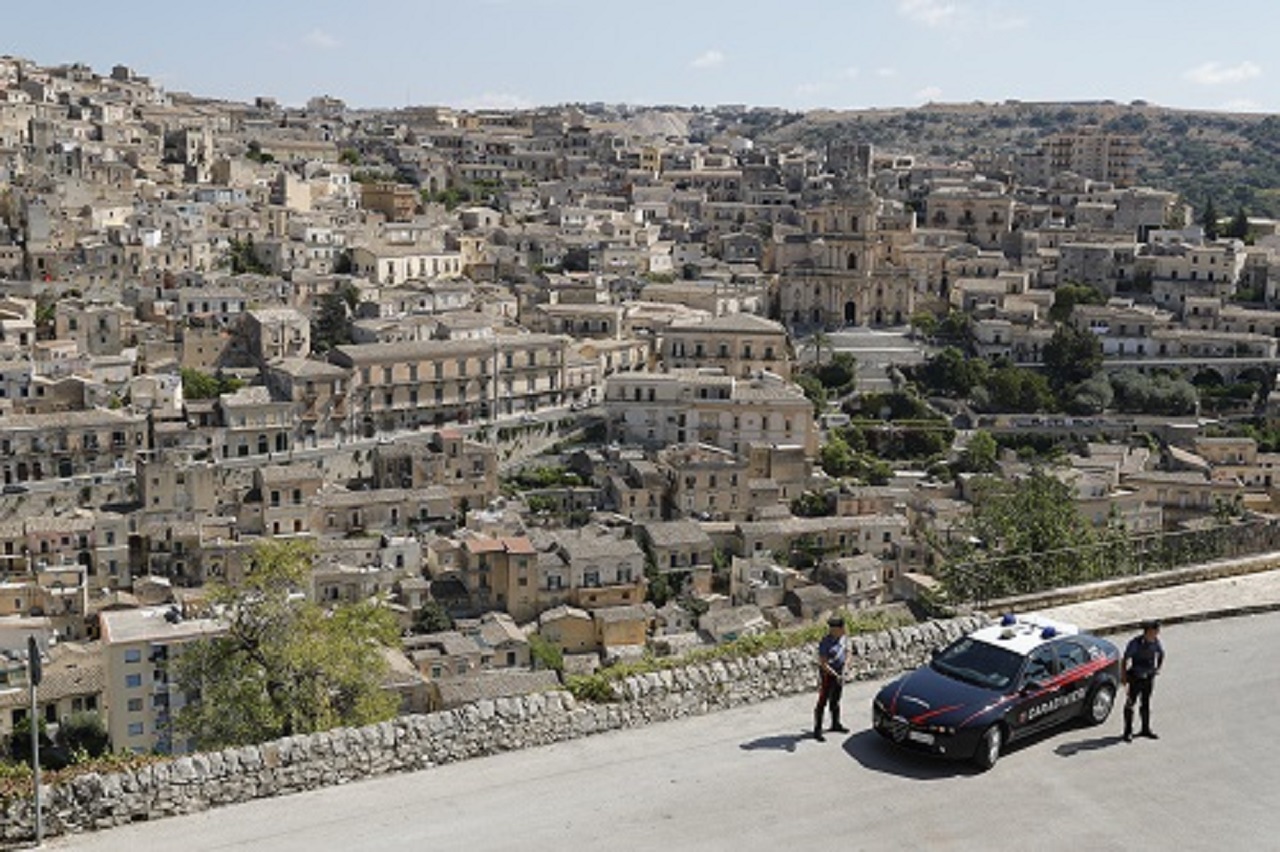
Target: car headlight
{"type": "Point", "coordinates": [945, 730]}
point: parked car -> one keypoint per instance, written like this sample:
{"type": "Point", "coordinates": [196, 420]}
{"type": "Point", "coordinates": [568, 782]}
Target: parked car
{"type": "Point", "coordinates": [997, 685]}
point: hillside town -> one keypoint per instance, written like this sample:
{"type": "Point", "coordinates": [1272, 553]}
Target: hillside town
{"type": "Point", "coordinates": [616, 381]}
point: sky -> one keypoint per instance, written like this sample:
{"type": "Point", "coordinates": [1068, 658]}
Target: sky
{"type": "Point", "coordinates": [796, 54]}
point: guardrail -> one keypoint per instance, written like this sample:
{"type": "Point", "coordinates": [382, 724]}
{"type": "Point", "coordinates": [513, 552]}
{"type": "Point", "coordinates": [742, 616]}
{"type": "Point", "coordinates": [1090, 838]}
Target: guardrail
{"type": "Point", "coordinates": [976, 583]}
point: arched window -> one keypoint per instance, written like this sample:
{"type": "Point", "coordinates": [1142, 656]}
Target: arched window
{"type": "Point", "coordinates": [853, 260]}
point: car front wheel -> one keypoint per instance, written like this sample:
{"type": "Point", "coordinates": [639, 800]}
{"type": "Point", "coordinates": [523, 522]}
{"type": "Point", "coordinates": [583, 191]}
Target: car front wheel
{"type": "Point", "coordinates": [989, 747]}
{"type": "Point", "coordinates": [1099, 705]}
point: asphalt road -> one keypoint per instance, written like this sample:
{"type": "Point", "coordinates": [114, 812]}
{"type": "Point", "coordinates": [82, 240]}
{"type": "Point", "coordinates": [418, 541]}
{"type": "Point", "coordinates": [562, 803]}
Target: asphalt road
{"type": "Point", "coordinates": [747, 779]}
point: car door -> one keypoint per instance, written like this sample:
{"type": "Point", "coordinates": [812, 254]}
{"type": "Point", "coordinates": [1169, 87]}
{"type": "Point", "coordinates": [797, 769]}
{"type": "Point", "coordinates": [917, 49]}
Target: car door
{"type": "Point", "coordinates": [1076, 671]}
{"type": "Point", "coordinates": [1039, 690]}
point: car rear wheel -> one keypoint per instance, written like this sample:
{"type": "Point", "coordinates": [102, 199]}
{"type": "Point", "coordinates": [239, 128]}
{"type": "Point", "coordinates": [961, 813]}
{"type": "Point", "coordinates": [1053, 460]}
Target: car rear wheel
{"type": "Point", "coordinates": [989, 747]}
{"type": "Point", "coordinates": [1098, 707]}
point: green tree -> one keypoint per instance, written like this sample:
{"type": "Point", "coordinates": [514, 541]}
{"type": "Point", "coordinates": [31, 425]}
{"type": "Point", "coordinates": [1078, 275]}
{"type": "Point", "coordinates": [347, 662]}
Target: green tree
{"type": "Point", "coordinates": [84, 735]}
{"type": "Point", "coordinates": [836, 456]}
{"type": "Point", "coordinates": [812, 504]}
{"type": "Point", "coordinates": [1092, 396]}
{"type": "Point", "coordinates": [1238, 228]}
{"type": "Point", "coordinates": [1209, 220]}
{"type": "Point", "coordinates": [813, 391]}
{"type": "Point", "coordinates": [1071, 356]}
{"type": "Point", "coordinates": [981, 454]}
{"type": "Point", "coordinates": [838, 374]}
{"type": "Point", "coordinates": [1011, 388]}
{"type": "Point", "coordinates": [432, 618]}
{"type": "Point", "coordinates": [951, 373]}
{"type": "Point", "coordinates": [924, 324]}
{"type": "Point", "coordinates": [1023, 536]}
{"type": "Point", "coordinates": [1067, 296]}
{"type": "Point", "coordinates": [957, 328]}
{"type": "Point", "coordinates": [333, 323]}
{"type": "Point", "coordinates": [284, 665]}
{"type": "Point", "coordinates": [198, 385]}
{"type": "Point", "coordinates": [544, 654]}
{"type": "Point", "coordinates": [820, 341]}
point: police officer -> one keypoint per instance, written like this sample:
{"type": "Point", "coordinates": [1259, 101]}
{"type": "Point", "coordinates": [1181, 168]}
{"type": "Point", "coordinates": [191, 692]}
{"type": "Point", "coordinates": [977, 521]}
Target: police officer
{"type": "Point", "coordinates": [1143, 657]}
{"type": "Point", "coordinates": [833, 654]}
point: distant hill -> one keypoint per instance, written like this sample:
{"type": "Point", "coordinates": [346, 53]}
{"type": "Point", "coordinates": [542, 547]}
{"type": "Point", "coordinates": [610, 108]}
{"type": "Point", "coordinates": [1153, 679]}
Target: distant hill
{"type": "Point", "coordinates": [1234, 158]}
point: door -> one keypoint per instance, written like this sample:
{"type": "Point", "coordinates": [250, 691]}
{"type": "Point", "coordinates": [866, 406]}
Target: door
{"type": "Point", "coordinates": [1038, 705]}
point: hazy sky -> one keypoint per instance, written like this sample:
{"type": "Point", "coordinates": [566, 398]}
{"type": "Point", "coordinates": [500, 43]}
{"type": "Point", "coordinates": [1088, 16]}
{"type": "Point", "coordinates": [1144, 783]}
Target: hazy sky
{"type": "Point", "coordinates": [790, 53]}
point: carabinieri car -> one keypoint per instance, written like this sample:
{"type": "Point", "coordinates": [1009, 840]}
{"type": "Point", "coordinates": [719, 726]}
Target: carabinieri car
{"type": "Point", "coordinates": [999, 684]}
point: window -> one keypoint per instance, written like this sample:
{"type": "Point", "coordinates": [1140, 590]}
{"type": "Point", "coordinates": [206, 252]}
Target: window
{"type": "Point", "coordinates": [133, 681]}
{"type": "Point", "coordinates": [135, 705]}
{"type": "Point", "coordinates": [135, 729]}
{"type": "Point", "coordinates": [1041, 664]}
{"type": "Point", "coordinates": [133, 655]}
{"type": "Point", "coordinates": [1072, 654]}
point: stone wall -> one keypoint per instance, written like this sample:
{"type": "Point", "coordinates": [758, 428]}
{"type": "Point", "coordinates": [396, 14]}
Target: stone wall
{"type": "Point", "coordinates": [202, 781]}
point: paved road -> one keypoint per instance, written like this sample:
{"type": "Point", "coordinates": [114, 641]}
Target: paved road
{"type": "Point", "coordinates": [747, 779]}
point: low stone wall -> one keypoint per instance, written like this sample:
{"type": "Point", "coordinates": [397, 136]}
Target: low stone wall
{"type": "Point", "coordinates": [202, 781]}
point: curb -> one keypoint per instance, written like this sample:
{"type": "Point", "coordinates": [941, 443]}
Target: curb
{"type": "Point", "coordinates": [1192, 617]}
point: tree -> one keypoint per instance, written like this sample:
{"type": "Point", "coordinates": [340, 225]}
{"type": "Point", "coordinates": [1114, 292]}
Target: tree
{"type": "Point", "coordinates": [1071, 356]}
{"type": "Point", "coordinates": [1067, 296]}
{"type": "Point", "coordinates": [1209, 220]}
{"type": "Point", "coordinates": [1238, 228]}
{"type": "Point", "coordinates": [333, 324]}
{"type": "Point", "coordinates": [924, 324]}
{"type": "Point", "coordinates": [432, 618]}
{"type": "Point", "coordinates": [284, 665]}
{"type": "Point", "coordinates": [838, 374]}
{"type": "Point", "coordinates": [820, 341]}
{"type": "Point", "coordinates": [1011, 388]}
{"type": "Point", "coordinates": [84, 735]}
{"type": "Point", "coordinates": [812, 504]}
{"type": "Point", "coordinates": [950, 373]}
{"type": "Point", "coordinates": [1023, 536]}
{"type": "Point", "coordinates": [981, 454]}
{"type": "Point", "coordinates": [198, 385]}
{"type": "Point", "coordinates": [1092, 396]}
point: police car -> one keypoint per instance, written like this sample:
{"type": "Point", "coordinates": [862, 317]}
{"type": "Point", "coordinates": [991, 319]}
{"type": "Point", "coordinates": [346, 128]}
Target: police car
{"type": "Point", "coordinates": [999, 684]}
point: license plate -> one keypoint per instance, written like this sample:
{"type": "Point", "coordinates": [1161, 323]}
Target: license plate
{"type": "Point", "coordinates": [921, 737]}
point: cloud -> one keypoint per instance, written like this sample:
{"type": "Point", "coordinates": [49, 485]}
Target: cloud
{"type": "Point", "coordinates": [929, 93]}
{"type": "Point", "coordinates": [321, 39]}
{"type": "Point", "coordinates": [929, 13]}
{"type": "Point", "coordinates": [1216, 74]}
{"type": "Point", "coordinates": [886, 71]}
{"type": "Point", "coordinates": [708, 59]}
{"type": "Point", "coordinates": [497, 100]}
{"type": "Point", "coordinates": [850, 73]}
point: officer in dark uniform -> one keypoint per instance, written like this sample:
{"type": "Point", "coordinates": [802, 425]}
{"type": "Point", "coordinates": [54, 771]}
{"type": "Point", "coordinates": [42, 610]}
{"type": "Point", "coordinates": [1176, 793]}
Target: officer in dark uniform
{"type": "Point", "coordinates": [1143, 657]}
{"type": "Point", "coordinates": [833, 654]}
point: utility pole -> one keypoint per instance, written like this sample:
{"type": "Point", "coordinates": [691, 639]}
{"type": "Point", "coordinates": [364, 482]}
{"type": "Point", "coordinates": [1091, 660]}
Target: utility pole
{"type": "Point", "coordinates": [34, 674]}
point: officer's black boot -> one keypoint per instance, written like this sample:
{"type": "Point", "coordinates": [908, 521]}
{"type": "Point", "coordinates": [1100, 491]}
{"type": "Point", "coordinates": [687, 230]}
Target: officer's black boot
{"type": "Point", "coordinates": [836, 727]}
{"type": "Point", "coordinates": [817, 725]}
{"type": "Point", "coordinates": [1128, 724]}
{"type": "Point", "coordinates": [1146, 731]}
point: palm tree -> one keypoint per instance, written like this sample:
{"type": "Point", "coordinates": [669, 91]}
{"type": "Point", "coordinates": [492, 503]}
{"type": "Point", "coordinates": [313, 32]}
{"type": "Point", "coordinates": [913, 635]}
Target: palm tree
{"type": "Point", "coordinates": [820, 341]}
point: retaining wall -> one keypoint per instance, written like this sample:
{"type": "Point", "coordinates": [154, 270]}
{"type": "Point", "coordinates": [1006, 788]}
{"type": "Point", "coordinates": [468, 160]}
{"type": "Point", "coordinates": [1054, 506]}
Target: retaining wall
{"type": "Point", "coordinates": [408, 743]}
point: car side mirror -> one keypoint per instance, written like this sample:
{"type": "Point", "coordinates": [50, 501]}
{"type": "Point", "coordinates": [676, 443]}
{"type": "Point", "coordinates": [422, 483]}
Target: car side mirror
{"type": "Point", "coordinates": [1032, 686]}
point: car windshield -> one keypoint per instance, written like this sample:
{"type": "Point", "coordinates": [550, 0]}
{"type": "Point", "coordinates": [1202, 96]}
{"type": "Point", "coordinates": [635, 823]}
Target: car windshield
{"type": "Point", "coordinates": [978, 663]}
